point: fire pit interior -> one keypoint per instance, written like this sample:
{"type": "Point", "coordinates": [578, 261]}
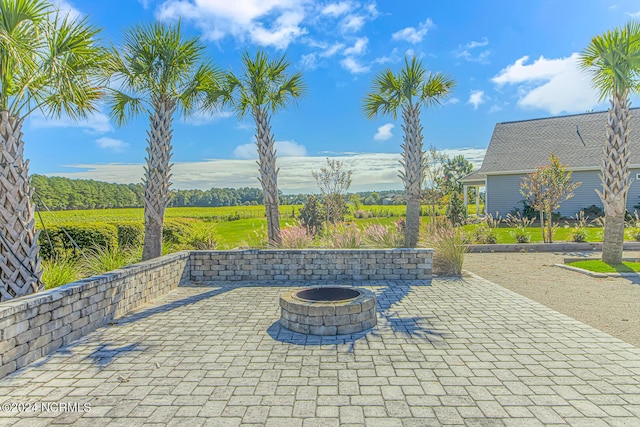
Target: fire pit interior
{"type": "Point", "coordinates": [328, 310]}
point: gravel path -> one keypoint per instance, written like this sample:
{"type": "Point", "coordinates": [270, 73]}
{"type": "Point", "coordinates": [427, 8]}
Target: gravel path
{"type": "Point", "coordinates": [610, 304]}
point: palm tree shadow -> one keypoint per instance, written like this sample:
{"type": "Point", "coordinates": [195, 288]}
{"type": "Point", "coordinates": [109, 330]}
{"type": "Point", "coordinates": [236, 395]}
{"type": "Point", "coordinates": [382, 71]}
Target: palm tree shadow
{"type": "Point", "coordinates": [105, 353]}
{"type": "Point", "coordinates": [418, 327]}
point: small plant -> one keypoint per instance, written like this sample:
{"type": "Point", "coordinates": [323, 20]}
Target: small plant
{"type": "Point", "coordinates": [456, 211]}
{"type": "Point", "coordinates": [311, 215]}
{"type": "Point", "coordinates": [60, 271]}
{"type": "Point", "coordinates": [450, 250]}
{"type": "Point", "coordinates": [343, 237]}
{"type": "Point", "coordinates": [296, 237]}
{"type": "Point", "coordinates": [634, 226]}
{"type": "Point", "coordinates": [579, 233]}
{"type": "Point", "coordinates": [520, 224]}
{"type": "Point", "coordinates": [379, 236]}
{"type": "Point", "coordinates": [100, 259]}
{"type": "Point", "coordinates": [361, 213]}
{"type": "Point", "coordinates": [593, 212]}
{"type": "Point", "coordinates": [202, 239]}
{"type": "Point", "coordinates": [486, 232]}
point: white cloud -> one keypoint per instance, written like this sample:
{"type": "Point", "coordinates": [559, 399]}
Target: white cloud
{"type": "Point", "coordinates": [352, 65]}
{"type": "Point", "coordinates": [553, 85]}
{"type": "Point", "coordinates": [393, 57]}
{"type": "Point", "coordinates": [107, 143]}
{"type": "Point", "coordinates": [358, 48]}
{"type": "Point", "coordinates": [309, 61]}
{"type": "Point", "coordinates": [66, 8]}
{"type": "Point", "coordinates": [634, 15]}
{"type": "Point", "coordinates": [144, 3]}
{"type": "Point", "coordinates": [336, 9]}
{"type": "Point", "coordinates": [202, 118]}
{"type": "Point", "coordinates": [451, 101]}
{"type": "Point", "coordinates": [283, 149]}
{"type": "Point", "coordinates": [476, 98]}
{"type": "Point", "coordinates": [95, 123]}
{"type": "Point", "coordinates": [332, 50]}
{"type": "Point", "coordinates": [371, 171]}
{"type": "Point", "coordinates": [470, 51]}
{"type": "Point", "coordinates": [412, 34]}
{"type": "Point", "coordinates": [352, 23]}
{"type": "Point", "coordinates": [274, 23]}
{"type": "Point", "coordinates": [384, 132]}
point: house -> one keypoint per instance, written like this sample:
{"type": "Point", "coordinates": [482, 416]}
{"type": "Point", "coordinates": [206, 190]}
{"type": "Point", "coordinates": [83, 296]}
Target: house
{"type": "Point", "coordinates": [517, 148]}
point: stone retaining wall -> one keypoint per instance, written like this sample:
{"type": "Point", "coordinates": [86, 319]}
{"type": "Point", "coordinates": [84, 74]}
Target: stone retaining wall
{"type": "Point", "coordinates": [312, 264]}
{"type": "Point", "coordinates": [36, 325]}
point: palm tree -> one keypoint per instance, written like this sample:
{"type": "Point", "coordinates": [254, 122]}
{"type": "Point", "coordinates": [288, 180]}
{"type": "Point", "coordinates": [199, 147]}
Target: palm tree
{"type": "Point", "coordinates": [409, 90]}
{"type": "Point", "coordinates": [48, 63]}
{"type": "Point", "coordinates": [263, 88]}
{"type": "Point", "coordinates": [613, 59]}
{"type": "Point", "coordinates": [159, 72]}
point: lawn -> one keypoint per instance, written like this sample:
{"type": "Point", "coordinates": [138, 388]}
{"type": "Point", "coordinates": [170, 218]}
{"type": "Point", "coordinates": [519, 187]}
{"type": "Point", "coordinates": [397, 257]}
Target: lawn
{"type": "Point", "coordinates": [598, 266]}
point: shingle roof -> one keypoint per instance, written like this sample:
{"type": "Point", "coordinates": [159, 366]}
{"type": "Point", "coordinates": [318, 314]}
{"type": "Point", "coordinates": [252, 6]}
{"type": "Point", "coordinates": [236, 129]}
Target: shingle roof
{"type": "Point", "coordinates": [577, 141]}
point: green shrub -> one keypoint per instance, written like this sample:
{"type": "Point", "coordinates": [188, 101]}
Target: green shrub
{"type": "Point", "coordinates": [295, 237]}
{"type": "Point", "coordinates": [202, 239]}
{"type": "Point", "coordinates": [343, 237]}
{"type": "Point", "coordinates": [456, 212]}
{"type": "Point", "coordinates": [85, 235]}
{"type": "Point", "coordinates": [100, 259]}
{"type": "Point", "coordinates": [449, 250]}
{"type": "Point", "coordinates": [130, 234]}
{"type": "Point", "coordinates": [520, 224]}
{"type": "Point", "coordinates": [311, 215]}
{"type": "Point", "coordinates": [60, 271]}
{"type": "Point", "coordinates": [177, 230]}
{"type": "Point", "coordinates": [379, 236]}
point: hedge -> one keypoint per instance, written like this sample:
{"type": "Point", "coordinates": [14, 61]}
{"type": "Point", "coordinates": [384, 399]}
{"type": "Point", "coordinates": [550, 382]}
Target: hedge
{"type": "Point", "coordinates": [84, 235]}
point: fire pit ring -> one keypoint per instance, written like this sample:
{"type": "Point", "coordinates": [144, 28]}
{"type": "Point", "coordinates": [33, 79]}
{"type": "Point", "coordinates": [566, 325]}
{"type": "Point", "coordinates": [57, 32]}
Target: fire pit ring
{"type": "Point", "coordinates": [328, 310]}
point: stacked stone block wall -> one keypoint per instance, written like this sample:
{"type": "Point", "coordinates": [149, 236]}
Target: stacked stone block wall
{"type": "Point", "coordinates": [312, 264]}
{"type": "Point", "coordinates": [36, 325]}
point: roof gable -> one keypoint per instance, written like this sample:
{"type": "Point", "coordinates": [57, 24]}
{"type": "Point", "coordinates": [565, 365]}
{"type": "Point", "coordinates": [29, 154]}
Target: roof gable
{"type": "Point", "coordinates": [577, 140]}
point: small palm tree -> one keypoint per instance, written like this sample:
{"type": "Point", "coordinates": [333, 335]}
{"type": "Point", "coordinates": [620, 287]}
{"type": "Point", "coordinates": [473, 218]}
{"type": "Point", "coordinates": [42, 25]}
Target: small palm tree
{"type": "Point", "coordinates": [613, 59]}
{"type": "Point", "coordinates": [263, 88]}
{"type": "Point", "coordinates": [51, 63]}
{"type": "Point", "coordinates": [159, 72]}
{"type": "Point", "coordinates": [408, 90]}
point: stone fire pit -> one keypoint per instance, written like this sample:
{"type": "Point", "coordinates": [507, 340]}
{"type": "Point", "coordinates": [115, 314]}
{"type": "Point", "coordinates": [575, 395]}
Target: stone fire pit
{"type": "Point", "coordinates": [328, 310]}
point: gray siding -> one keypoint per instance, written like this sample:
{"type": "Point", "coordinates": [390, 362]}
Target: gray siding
{"type": "Point", "coordinates": [503, 193]}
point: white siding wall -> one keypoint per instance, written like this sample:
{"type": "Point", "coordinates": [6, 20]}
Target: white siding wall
{"type": "Point", "coordinates": [503, 193]}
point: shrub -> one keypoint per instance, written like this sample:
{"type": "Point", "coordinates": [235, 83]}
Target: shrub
{"type": "Point", "coordinates": [311, 215]}
{"type": "Point", "coordinates": [520, 224]}
{"type": "Point", "coordinates": [130, 234]}
{"type": "Point", "coordinates": [593, 212]}
{"type": "Point", "coordinates": [100, 259]}
{"type": "Point", "coordinates": [296, 237]}
{"type": "Point", "coordinates": [60, 271]}
{"type": "Point", "coordinates": [379, 236]}
{"type": "Point", "coordinates": [202, 239]}
{"type": "Point", "coordinates": [579, 233]}
{"type": "Point", "coordinates": [360, 213]}
{"type": "Point", "coordinates": [449, 250]}
{"type": "Point", "coordinates": [343, 237]}
{"type": "Point", "coordinates": [485, 235]}
{"type": "Point", "coordinates": [177, 230]}
{"type": "Point", "coordinates": [456, 212]}
{"type": "Point", "coordinates": [85, 236]}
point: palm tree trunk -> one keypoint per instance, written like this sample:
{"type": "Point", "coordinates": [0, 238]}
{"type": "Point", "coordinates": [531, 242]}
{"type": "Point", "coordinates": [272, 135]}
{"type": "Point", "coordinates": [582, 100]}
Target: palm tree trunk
{"type": "Point", "coordinates": [615, 178]}
{"type": "Point", "coordinates": [20, 271]}
{"type": "Point", "coordinates": [157, 176]}
{"type": "Point", "coordinates": [414, 166]}
{"type": "Point", "coordinates": [268, 174]}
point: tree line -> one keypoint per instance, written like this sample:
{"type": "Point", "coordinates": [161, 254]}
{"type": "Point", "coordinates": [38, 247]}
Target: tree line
{"type": "Point", "coordinates": [60, 193]}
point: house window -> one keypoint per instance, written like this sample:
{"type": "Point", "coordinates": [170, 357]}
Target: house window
{"type": "Point", "coordinates": [638, 176]}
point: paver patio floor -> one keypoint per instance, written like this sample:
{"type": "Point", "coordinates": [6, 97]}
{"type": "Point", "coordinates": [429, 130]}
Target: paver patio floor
{"type": "Point", "coordinates": [446, 352]}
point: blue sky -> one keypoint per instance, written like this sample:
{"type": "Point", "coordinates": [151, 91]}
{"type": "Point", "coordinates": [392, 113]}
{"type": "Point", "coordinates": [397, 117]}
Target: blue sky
{"type": "Point", "coordinates": [512, 60]}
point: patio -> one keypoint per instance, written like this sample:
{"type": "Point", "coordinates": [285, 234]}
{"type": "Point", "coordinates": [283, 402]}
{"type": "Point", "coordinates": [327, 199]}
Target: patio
{"type": "Point", "coordinates": [444, 352]}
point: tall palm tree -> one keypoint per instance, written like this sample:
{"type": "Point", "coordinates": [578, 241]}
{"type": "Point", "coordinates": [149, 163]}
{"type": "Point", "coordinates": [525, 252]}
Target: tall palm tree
{"type": "Point", "coordinates": [408, 90]}
{"type": "Point", "coordinates": [49, 63]}
{"type": "Point", "coordinates": [613, 60]}
{"type": "Point", "coordinates": [159, 72]}
{"type": "Point", "coordinates": [263, 88]}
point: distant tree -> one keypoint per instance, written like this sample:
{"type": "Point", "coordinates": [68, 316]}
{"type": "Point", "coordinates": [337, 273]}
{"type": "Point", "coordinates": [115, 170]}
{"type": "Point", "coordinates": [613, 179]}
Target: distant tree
{"type": "Point", "coordinates": [433, 191]}
{"type": "Point", "coordinates": [545, 189]}
{"type": "Point", "coordinates": [456, 212]}
{"type": "Point", "coordinates": [334, 182]}
{"type": "Point", "coordinates": [613, 59]}
{"type": "Point", "coordinates": [408, 91]}
{"type": "Point", "coordinates": [453, 170]}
